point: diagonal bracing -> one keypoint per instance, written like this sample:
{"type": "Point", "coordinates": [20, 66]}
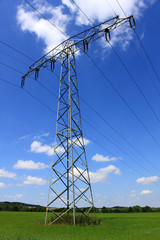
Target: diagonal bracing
{"type": "Point", "coordinates": [70, 186]}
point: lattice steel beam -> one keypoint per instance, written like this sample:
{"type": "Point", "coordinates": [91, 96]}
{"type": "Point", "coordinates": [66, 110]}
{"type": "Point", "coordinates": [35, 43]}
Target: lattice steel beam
{"type": "Point", "coordinates": [70, 185]}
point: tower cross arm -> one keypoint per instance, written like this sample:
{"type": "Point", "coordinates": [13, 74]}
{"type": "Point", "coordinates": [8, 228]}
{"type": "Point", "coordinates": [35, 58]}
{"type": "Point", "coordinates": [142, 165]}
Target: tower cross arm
{"type": "Point", "coordinates": [76, 43]}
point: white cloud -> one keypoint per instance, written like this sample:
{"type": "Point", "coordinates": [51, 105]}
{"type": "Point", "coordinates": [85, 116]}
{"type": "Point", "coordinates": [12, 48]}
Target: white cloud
{"type": "Point", "coordinates": [42, 193]}
{"type": "Point", "coordinates": [40, 136]}
{"type": "Point", "coordinates": [34, 181]}
{"type": "Point", "coordinates": [34, 136]}
{"type": "Point", "coordinates": [100, 11]}
{"type": "Point", "coordinates": [133, 195]}
{"type": "Point", "coordinates": [101, 174]}
{"type": "Point", "coordinates": [97, 11]}
{"type": "Point", "coordinates": [14, 197]}
{"type": "Point", "coordinates": [37, 147]}
{"type": "Point", "coordinates": [29, 165]}
{"type": "Point", "coordinates": [101, 158]}
{"type": "Point", "coordinates": [32, 22]}
{"type": "Point", "coordinates": [6, 174]}
{"type": "Point", "coordinates": [148, 180]}
{"type": "Point", "coordinates": [2, 185]}
{"type": "Point", "coordinates": [144, 192]}
{"type": "Point", "coordinates": [25, 137]}
{"type": "Point", "coordinates": [80, 142]}
{"type": "Point", "coordinates": [133, 191]}
{"type": "Point", "coordinates": [70, 5]}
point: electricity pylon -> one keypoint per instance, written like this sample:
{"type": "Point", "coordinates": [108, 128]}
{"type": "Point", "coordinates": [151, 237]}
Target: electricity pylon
{"type": "Point", "coordinates": [70, 187]}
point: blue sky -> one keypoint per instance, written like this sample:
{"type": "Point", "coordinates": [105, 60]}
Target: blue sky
{"type": "Point", "coordinates": [120, 175]}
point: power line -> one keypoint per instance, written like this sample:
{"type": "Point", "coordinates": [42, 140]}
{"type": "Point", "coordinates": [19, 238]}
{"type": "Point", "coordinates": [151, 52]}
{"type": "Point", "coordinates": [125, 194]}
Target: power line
{"type": "Point", "coordinates": [145, 68]}
{"type": "Point", "coordinates": [111, 7]}
{"type": "Point", "coordinates": [27, 56]}
{"type": "Point", "coordinates": [16, 50]}
{"type": "Point", "coordinates": [147, 160]}
{"type": "Point", "coordinates": [41, 84]}
{"type": "Point", "coordinates": [85, 121]}
{"type": "Point", "coordinates": [138, 55]}
{"type": "Point", "coordinates": [134, 81]}
{"type": "Point", "coordinates": [127, 164]}
{"type": "Point", "coordinates": [17, 86]}
{"type": "Point", "coordinates": [116, 146]}
{"type": "Point", "coordinates": [14, 58]}
{"type": "Point", "coordinates": [121, 95]}
{"type": "Point", "coordinates": [37, 99]}
{"type": "Point", "coordinates": [9, 46]}
{"type": "Point", "coordinates": [147, 56]}
{"type": "Point", "coordinates": [145, 51]}
{"type": "Point", "coordinates": [14, 69]}
{"type": "Point", "coordinates": [45, 105]}
{"type": "Point", "coordinates": [136, 84]}
{"type": "Point", "coordinates": [112, 84]}
{"type": "Point", "coordinates": [119, 134]}
{"type": "Point", "coordinates": [121, 7]}
{"type": "Point", "coordinates": [118, 93]}
{"type": "Point", "coordinates": [86, 115]}
{"type": "Point", "coordinates": [83, 12]}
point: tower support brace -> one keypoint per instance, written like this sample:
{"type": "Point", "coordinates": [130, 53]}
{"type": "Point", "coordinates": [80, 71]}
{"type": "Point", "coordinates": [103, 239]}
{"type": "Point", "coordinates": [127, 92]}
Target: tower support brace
{"type": "Point", "coordinates": [70, 187]}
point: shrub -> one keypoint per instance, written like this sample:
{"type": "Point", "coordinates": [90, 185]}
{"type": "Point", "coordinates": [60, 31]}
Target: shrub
{"type": "Point", "coordinates": [80, 220]}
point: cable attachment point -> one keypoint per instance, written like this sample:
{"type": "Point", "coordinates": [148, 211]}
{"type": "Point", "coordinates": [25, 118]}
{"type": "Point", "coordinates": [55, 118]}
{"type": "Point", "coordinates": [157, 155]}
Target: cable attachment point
{"type": "Point", "coordinates": [36, 73]}
{"type": "Point", "coordinates": [85, 46]}
{"type": "Point", "coordinates": [107, 34]}
{"type": "Point", "coordinates": [22, 81]}
{"type": "Point", "coordinates": [132, 22]}
{"type": "Point", "coordinates": [52, 64]}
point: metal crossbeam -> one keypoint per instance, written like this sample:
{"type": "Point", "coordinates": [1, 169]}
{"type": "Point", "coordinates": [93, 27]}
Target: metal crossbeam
{"type": "Point", "coordinates": [76, 43]}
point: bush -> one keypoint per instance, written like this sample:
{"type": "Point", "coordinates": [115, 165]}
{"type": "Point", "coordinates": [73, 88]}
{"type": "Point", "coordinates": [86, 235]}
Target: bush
{"type": "Point", "coordinates": [80, 220]}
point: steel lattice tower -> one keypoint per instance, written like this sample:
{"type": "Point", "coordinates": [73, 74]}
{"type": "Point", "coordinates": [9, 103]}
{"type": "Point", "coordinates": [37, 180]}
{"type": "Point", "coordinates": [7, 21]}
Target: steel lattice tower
{"type": "Point", "coordinates": [70, 186]}
{"type": "Point", "coordinates": [72, 183]}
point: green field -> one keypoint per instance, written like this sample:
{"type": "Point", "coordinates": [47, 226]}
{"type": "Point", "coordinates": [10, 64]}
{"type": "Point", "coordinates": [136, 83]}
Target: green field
{"type": "Point", "coordinates": [117, 226]}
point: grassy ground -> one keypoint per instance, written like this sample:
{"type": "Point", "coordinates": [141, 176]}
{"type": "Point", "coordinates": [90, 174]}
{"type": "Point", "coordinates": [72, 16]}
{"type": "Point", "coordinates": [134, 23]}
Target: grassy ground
{"type": "Point", "coordinates": [120, 226]}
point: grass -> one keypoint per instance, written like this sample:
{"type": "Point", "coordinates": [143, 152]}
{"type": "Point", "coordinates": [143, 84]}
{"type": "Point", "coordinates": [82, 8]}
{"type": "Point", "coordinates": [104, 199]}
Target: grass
{"type": "Point", "coordinates": [115, 226]}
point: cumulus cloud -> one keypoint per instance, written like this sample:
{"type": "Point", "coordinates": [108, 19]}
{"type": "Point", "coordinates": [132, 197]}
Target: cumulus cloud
{"type": "Point", "coordinates": [145, 192]}
{"type": "Point", "coordinates": [2, 185]}
{"type": "Point", "coordinates": [100, 11]}
{"type": "Point", "coordinates": [34, 181]}
{"type": "Point", "coordinates": [29, 165]}
{"type": "Point", "coordinates": [32, 22]}
{"type": "Point", "coordinates": [100, 175]}
{"type": "Point", "coordinates": [97, 11]}
{"type": "Point", "coordinates": [133, 195]}
{"type": "Point", "coordinates": [37, 147]}
{"type": "Point", "coordinates": [6, 174]}
{"type": "Point", "coordinates": [101, 158]}
{"type": "Point", "coordinates": [79, 142]}
{"type": "Point", "coordinates": [148, 180]}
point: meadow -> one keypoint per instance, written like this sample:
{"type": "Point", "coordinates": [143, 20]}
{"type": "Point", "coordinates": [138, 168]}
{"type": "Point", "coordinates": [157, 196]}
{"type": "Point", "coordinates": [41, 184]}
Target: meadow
{"type": "Point", "coordinates": [115, 226]}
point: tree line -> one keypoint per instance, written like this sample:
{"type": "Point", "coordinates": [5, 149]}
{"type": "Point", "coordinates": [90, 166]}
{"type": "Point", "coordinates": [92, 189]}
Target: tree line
{"type": "Point", "coordinates": [7, 206]}
{"type": "Point", "coordinates": [134, 209]}
{"type": "Point", "coordinates": [22, 207]}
